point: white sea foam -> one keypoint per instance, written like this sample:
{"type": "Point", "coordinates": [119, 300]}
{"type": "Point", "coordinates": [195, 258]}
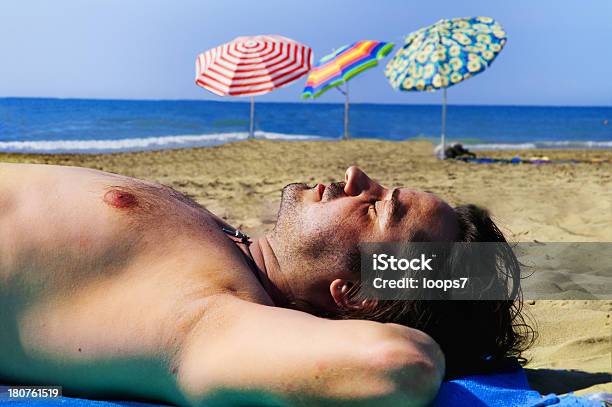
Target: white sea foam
{"type": "Point", "coordinates": [139, 144]}
{"type": "Point", "coordinates": [204, 140]}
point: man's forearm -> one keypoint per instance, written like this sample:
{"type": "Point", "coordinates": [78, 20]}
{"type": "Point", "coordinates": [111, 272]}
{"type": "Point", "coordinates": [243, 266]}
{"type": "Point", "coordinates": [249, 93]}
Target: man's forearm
{"type": "Point", "coordinates": [304, 359]}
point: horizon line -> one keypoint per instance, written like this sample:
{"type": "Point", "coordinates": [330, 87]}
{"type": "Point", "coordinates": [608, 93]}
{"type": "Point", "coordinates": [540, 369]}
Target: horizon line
{"type": "Point", "coordinates": [294, 102]}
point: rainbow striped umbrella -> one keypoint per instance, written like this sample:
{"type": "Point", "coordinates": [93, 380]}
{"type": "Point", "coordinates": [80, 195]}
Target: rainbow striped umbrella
{"type": "Point", "coordinates": [341, 65]}
{"type": "Point", "coordinates": [445, 54]}
{"type": "Point", "coordinates": [249, 66]}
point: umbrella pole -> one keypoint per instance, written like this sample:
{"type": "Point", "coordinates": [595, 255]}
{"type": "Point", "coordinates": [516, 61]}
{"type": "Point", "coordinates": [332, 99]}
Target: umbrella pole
{"type": "Point", "coordinates": [251, 127]}
{"type": "Point", "coordinates": [443, 135]}
{"type": "Point", "coordinates": [346, 111]}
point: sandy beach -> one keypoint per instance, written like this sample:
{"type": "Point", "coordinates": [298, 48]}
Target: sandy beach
{"type": "Point", "coordinates": [550, 203]}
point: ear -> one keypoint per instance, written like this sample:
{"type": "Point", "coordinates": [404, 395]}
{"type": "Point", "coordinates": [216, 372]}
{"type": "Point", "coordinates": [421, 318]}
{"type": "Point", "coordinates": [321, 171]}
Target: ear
{"type": "Point", "coordinates": [340, 291]}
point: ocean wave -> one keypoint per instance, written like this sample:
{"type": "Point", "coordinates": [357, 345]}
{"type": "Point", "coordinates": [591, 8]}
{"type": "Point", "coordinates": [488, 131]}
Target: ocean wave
{"type": "Point", "coordinates": [140, 144]}
{"type": "Point", "coordinates": [206, 140]}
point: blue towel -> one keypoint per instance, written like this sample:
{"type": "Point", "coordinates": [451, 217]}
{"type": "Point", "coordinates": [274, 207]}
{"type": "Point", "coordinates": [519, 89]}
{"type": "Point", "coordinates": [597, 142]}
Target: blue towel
{"type": "Point", "coordinates": [499, 390]}
{"type": "Point", "coordinates": [502, 390]}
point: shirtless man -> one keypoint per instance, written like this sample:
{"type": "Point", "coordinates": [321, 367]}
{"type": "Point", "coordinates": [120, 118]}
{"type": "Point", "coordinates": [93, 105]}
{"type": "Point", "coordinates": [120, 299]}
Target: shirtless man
{"type": "Point", "coordinates": [117, 287]}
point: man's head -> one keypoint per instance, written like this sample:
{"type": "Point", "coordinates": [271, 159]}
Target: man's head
{"type": "Point", "coordinates": [319, 229]}
{"type": "Point", "coordinates": [316, 241]}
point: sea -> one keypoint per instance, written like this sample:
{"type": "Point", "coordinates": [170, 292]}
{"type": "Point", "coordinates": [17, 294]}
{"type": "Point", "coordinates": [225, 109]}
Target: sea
{"type": "Point", "coordinates": [39, 125]}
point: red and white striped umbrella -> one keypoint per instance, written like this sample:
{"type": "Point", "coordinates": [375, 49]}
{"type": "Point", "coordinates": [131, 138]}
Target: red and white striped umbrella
{"type": "Point", "coordinates": [249, 66]}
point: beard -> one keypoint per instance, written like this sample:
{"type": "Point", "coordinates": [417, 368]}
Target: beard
{"type": "Point", "coordinates": [288, 220]}
{"type": "Point", "coordinates": [290, 206]}
{"type": "Point", "coordinates": [290, 197]}
{"type": "Point", "coordinates": [309, 250]}
{"type": "Point", "coordinates": [299, 235]}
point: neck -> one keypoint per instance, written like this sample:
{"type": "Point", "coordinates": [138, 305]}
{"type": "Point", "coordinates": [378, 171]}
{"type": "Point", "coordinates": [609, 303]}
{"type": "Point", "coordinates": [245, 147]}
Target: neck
{"type": "Point", "coordinates": [268, 270]}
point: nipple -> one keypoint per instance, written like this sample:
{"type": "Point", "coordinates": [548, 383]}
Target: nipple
{"type": "Point", "coordinates": [120, 199]}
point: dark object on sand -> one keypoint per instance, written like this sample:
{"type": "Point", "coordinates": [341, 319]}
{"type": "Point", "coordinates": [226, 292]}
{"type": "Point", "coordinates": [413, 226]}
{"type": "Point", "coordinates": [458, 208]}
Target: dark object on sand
{"type": "Point", "coordinates": [457, 151]}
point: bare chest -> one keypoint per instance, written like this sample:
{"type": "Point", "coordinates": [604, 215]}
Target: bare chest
{"type": "Point", "coordinates": [82, 234]}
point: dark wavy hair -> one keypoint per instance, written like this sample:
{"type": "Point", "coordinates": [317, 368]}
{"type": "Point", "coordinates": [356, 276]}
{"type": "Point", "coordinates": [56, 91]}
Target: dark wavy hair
{"type": "Point", "coordinates": [476, 336]}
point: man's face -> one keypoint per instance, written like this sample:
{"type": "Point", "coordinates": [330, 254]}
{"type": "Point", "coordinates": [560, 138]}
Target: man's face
{"type": "Point", "coordinates": [359, 210]}
{"type": "Point", "coordinates": [318, 231]}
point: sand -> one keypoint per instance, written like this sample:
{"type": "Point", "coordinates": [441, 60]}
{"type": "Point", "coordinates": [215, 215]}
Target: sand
{"type": "Point", "coordinates": [550, 203]}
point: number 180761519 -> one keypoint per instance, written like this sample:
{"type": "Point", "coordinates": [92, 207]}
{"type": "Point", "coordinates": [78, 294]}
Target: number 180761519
{"type": "Point", "coordinates": [33, 392]}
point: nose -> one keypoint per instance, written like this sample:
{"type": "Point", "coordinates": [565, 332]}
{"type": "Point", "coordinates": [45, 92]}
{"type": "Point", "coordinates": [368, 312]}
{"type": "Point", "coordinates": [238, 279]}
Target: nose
{"type": "Point", "coordinates": [357, 182]}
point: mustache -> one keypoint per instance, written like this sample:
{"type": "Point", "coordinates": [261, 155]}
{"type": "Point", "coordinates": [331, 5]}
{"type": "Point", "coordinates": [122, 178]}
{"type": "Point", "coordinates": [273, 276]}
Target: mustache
{"type": "Point", "coordinates": [290, 189]}
{"type": "Point", "coordinates": [334, 190]}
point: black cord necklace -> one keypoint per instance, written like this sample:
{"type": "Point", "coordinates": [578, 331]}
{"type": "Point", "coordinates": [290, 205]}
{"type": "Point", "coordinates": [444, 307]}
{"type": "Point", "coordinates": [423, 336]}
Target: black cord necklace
{"type": "Point", "coordinates": [245, 240]}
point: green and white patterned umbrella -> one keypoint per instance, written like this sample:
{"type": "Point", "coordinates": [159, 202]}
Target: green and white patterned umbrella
{"type": "Point", "coordinates": [444, 54]}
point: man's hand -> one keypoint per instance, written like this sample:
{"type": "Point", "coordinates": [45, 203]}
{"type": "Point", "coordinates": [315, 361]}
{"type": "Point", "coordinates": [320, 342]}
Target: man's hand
{"type": "Point", "coordinates": [247, 346]}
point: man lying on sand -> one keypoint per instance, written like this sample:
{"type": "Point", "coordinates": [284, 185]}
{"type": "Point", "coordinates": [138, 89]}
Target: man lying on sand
{"type": "Point", "coordinates": [117, 287]}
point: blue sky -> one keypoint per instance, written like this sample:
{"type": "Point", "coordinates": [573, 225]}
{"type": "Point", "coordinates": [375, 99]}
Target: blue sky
{"type": "Point", "coordinates": [558, 52]}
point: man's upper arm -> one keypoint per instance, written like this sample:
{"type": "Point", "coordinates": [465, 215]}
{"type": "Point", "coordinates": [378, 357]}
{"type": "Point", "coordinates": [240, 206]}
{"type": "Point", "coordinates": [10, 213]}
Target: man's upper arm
{"type": "Point", "coordinates": [251, 346]}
